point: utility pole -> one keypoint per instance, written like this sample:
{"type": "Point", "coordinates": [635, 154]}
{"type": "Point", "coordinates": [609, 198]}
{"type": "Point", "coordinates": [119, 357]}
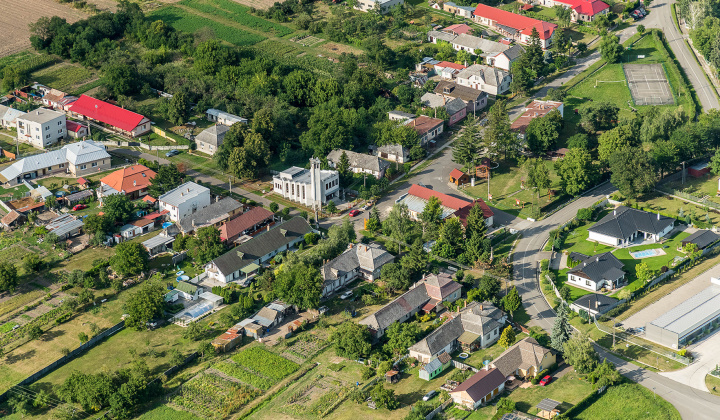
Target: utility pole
{"type": "Point", "coordinates": [683, 173]}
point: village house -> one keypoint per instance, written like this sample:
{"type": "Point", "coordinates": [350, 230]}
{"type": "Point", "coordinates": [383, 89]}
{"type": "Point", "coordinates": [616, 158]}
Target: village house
{"type": "Point", "coordinates": [465, 42]}
{"type": "Point", "coordinates": [242, 263]}
{"type": "Point", "coordinates": [455, 108]}
{"type": "Point", "coordinates": [210, 139]}
{"type": "Point", "coordinates": [492, 80]}
{"type": "Point", "coordinates": [477, 326]}
{"type": "Point", "coordinates": [9, 116]}
{"type": "Point", "coordinates": [310, 187]}
{"type": "Point", "coordinates": [624, 226]}
{"type": "Point", "coordinates": [394, 153]}
{"type": "Point", "coordinates": [224, 118]}
{"type": "Point", "coordinates": [245, 224]}
{"type": "Point", "coordinates": [582, 10]}
{"type": "Point", "coordinates": [358, 261]}
{"type": "Point", "coordinates": [435, 367]}
{"type": "Point", "coordinates": [417, 198]}
{"type": "Point", "coordinates": [76, 130]}
{"type": "Point", "coordinates": [81, 158]}
{"type": "Point", "coordinates": [505, 59]}
{"type": "Point", "coordinates": [525, 359]}
{"type": "Point", "coordinates": [479, 389]}
{"type": "Point", "coordinates": [475, 100]}
{"type": "Point", "coordinates": [41, 128]}
{"type": "Point", "coordinates": [383, 6]}
{"type": "Point", "coordinates": [400, 116]}
{"type": "Point", "coordinates": [133, 181]}
{"type": "Point", "coordinates": [533, 110]}
{"type": "Point", "coordinates": [359, 162]}
{"type": "Point", "coordinates": [464, 11]}
{"type": "Point", "coordinates": [184, 200]}
{"type": "Point", "coordinates": [427, 128]}
{"type": "Point", "coordinates": [121, 120]}
{"type": "Point", "coordinates": [426, 295]}
{"type": "Point", "coordinates": [215, 215]}
{"type": "Point", "coordinates": [596, 272]}
{"type": "Point", "coordinates": [514, 26]}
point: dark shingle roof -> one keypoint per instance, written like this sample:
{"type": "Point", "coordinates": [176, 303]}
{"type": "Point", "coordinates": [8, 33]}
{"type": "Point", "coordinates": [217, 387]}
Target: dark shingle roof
{"type": "Point", "coordinates": [523, 355]}
{"type": "Point", "coordinates": [604, 303]}
{"type": "Point", "coordinates": [702, 238]}
{"type": "Point", "coordinates": [263, 244]}
{"type": "Point", "coordinates": [600, 267]}
{"type": "Point", "coordinates": [455, 106]}
{"type": "Point", "coordinates": [397, 309]}
{"type": "Point", "coordinates": [209, 215]}
{"type": "Point", "coordinates": [624, 221]}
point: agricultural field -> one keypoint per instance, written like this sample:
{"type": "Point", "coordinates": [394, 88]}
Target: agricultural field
{"type": "Point", "coordinates": [65, 77]}
{"type": "Point", "coordinates": [19, 13]}
{"type": "Point", "coordinates": [187, 21]}
{"type": "Point", "coordinates": [213, 397]}
{"type": "Point", "coordinates": [164, 412]}
{"type": "Point", "coordinates": [227, 9]}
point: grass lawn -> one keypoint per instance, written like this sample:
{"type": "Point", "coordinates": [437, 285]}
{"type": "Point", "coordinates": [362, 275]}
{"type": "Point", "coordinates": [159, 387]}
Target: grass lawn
{"type": "Point", "coordinates": [703, 187]}
{"type": "Point", "coordinates": [655, 263]}
{"type": "Point", "coordinates": [672, 206]}
{"type": "Point", "coordinates": [576, 240]}
{"type": "Point", "coordinates": [629, 401]}
{"type": "Point", "coordinates": [64, 76]}
{"type": "Point", "coordinates": [164, 412]}
{"type": "Point", "coordinates": [477, 358]}
{"type": "Point", "coordinates": [505, 187]}
{"type": "Point", "coordinates": [713, 384]}
{"type": "Point", "coordinates": [568, 390]}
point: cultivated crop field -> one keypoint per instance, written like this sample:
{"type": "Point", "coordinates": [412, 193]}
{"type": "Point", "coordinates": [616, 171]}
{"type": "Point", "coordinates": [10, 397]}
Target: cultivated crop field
{"type": "Point", "coordinates": [265, 363]}
{"type": "Point", "coordinates": [17, 14]}
{"type": "Point", "coordinates": [227, 9]}
{"type": "Point", "coordinates": [213, 397]}
{"type": "Point", "coordinates": [188, 22]}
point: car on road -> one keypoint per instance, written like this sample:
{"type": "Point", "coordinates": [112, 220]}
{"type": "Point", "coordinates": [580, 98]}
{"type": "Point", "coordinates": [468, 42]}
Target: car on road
{"type": "Point", "coordinates": [79, 207]}
{"type": "Point", "coordinates": [346, 295]}
{"type": "Point", "coordinates": [368, 205]}
{"type": "Point", "coordinates": [546, 380]}
{"type": "Point", "coordinates": [354, 213]}
{"type": "Point", "coordinates": [429, 395]}
{"type": "Point", "coordinates": [172, 153]}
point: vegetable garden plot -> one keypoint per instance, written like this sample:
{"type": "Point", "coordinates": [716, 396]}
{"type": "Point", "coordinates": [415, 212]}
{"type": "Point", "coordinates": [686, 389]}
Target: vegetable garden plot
{"type": "Point", "coordinates": [317, 398]}
{"type": "Point", "coordinates": [242, 374]}
{"type": "Point", "coordinates": [265, 363]}
{"type": "Point", "coordinates": [213, 397]}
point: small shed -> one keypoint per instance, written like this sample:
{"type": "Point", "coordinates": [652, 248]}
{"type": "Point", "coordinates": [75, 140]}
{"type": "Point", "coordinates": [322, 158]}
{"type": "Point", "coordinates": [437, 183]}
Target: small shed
{"type": "Point", "coordinates": [254, 330]}
{"type": "Point", "coordinates": [392, 376]}
{"type": "Point", "coordinates": [459, 177]}
{"type": "Point", "coordinates": [74, 198]}
{"type": "Point", "coordinates": [83, 183]}
{"type": "Point", "coordinates": [699, 169]}
{"type": "Point", "coordinates": [548, 408]}
{"type": "Point", "coordinates": [435, 367]}
{"type": "Point", "coordinates": [228, 340]}
{"type": "Point", "coordinates": [13, 219]}
{"type": "Point", "coordinates": [158, 244]}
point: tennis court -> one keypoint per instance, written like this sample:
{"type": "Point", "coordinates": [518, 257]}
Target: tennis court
{"type": "Point", "coordinates": [648, 84]}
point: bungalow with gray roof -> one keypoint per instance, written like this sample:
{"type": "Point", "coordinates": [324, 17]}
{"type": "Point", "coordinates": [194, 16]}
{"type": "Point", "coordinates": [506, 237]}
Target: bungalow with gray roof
{"type": "Point", "coordinates": [393, 152]}
{"type": "Point", "coordinates": [359, 162]}
{"type": "Point", "coordinates": [492, 80]}
{"type": "Point", "coordinates": [213, 215]}
{"type": "Point", "coordinates": [455, 108]}
{"type": "Point", "coordinates": [210, 139]}
{"type": "Point", "coordinates": [596, 272]}
{"type": "Point", "coordinates": [624, 225]}
{"type": "Point", "coordinates": [242, 263]}
{"type": "Point", "coordinates": [426, 295]}
{"type": "Point", "coordinates": [475, 100]}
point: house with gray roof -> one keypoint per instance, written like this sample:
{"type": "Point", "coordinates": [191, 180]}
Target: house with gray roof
{"type": "Point", "coordinates": [242, 263]}
{"type": "Point", "coordinates": [594, 304]}
{"type": "Point", "coordinates": [702, 238]}
{"type": "Point", "coordinates": [625, 225]}
{"type": "Point", "coordinates": [81, 158]}
{"type": "Point", "coordinates": [435, 367]}
{"type": "Point", "coordinates": [358, 261]}
{"type": "Point", "coordinates": [455, 107]}
{"type": "Point", "coordinates": [184, 201]}
{"type": "Point", "coordinates": [492, 80]}
{"type": "Point", "coordinates": [504, 59]}
{"type": "Point", "coordinates": [477, 326]}
{"type": "Point", "coordinates": [396, 115]}
{"type": "Point", "coordinates": [210, 139]}
{"type": "Point", "coordinates": [596, 272]}
{"type": "Point", "coordinates": [9, 116]}
{"type": "Point", "coordinates": [41, 128]}
{"type": "Point", "coordinates": [426, 295]}
{"type": "Point", "coordinates": [359, 162]}
{"type": "Point", "coordinates": [393, 152]}
{"type": "Point", "coordinates": [224, 118]}
{"type": "Point", "coordinates": [215, 214]}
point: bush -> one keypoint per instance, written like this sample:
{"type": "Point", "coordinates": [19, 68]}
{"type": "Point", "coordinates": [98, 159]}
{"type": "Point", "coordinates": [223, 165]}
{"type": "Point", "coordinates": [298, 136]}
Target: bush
{"type": "Point", "coordinates": [367, 373]}
{"type": "Point", "coordinates": [274, 207]}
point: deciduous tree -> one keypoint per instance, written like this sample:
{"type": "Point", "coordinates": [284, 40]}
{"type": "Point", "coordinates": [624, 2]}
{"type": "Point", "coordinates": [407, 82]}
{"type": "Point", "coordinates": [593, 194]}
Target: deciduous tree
{"type": "Point", "coordinates": [351, 340]}
{"type": "Point", "coordinates": [577, 171]}
{"type": "Point", "coordinates": [144, 305]}
{"type": "Point", "coordinates": [168, 177]}
{"type": "Point", "coordinates": [206, 245]}
{"type": "Point", "coordinates": [580, 354]}
{"type": "Point", "coordinates": [130, 259]}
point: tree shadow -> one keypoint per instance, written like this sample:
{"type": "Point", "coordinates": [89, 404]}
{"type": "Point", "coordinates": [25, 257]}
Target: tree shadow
{"type": "Point", "coordinates": [14, 358]}
{"type": "Point", "coordinates": [52, 334]}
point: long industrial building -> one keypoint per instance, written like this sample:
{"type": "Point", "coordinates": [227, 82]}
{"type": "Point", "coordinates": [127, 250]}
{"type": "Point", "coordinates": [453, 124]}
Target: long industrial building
{"type": "Point", "coordinates": [689, 320]}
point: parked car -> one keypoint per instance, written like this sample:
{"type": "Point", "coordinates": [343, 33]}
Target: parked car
{"type": "Point", "coordinates": [172, 153]}
{"type": "Point", "coordinates": [79, 207]}
{"type": "Point", "coordinates": [368, 205]}
{"type": "Point", "coordinates": [354, 213]}
{"type": "Point", "coordinates": [546, 380]}
{"type": "Point", "coordinates": [430, 395]}
{"type": "Point", "coordinates": [346, 295]}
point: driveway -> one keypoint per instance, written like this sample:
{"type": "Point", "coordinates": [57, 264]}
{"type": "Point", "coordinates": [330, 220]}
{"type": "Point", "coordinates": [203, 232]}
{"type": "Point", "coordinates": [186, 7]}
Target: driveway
{"type": "Point", "coordinates": [707, 356]}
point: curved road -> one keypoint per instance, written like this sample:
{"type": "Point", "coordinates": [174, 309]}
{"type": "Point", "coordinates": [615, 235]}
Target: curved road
{"type": "Point", "coordinates": [691, 403]}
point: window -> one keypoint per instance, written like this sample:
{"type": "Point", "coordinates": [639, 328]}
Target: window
{"type": "Point", "coordinates": [59, 122]}
{"type": "Point", "coordinates": [62, 165]}
{"type": "Point", "coordinates": [47, 128]}
{"type": "Point", "coordinates": [587, 283]}
{"type": "Point", "coordinates": [94, 164]}
{"type": "Point", "coordinates": [37, 128]}
{"type": "Point", "coordinates": [48, 136]}
{"type": "Point", "coordinates": [83, 166]}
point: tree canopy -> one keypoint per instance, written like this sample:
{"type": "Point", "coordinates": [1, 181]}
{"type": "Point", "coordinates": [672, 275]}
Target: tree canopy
{"type": "Point", "coordinates": [168, 177]}
{"type": "Point", "coordinates": [145, 304]}
{"type": "Point", "coordinates": [130, 259]}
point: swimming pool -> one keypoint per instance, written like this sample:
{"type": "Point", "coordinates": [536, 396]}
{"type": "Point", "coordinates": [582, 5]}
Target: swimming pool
{"type": "Point", "coordinates": [647, 253]}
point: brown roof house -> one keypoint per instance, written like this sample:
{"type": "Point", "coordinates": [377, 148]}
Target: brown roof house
{"type": "Point", "coordinates": [426, 295]}
{"type": "Point", "coordinates": [479, 388]}
{"type": "Point", "coordinates": [525, 359]}
{"type": "Point", "coordinates": [427, 128]}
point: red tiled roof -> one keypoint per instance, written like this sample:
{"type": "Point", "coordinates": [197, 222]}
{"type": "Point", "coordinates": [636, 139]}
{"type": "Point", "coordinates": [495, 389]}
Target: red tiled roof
{"type": "Point", "coordinates": [243, 222]}
{"type": "Point", "coordinates": [129, 179]}
{"type": "Point", "coordinates": [149, 199]}
{"type": "Point", "coordinates": [586, 7]}
{"type": "Point", "coordinates": [521, 23]}
{"type": "Point", "coordinates": [536, 109]}
{"type": "Point", "coordinates": [82, 181]}
{"type": "Point", "coordinates": [526, 7]}
{"type": "Point", "coordinates": [423, 124]}
{"type": "Point", "coordinates": [450, 65]}
{"type": "Point", "coordinates": [463, 213]}
{"type": "Point", "coordinates": [459, 28]}
{"type": "Point", "coordinates": [30, 207]}
{"type": "Point", "coordinates": [456, 173]}
{"type": "Point", "coordinates": [106, 113]}
{"type": "Point", "coordinates": [155, 215]}
{"type": "Point", "coordinates": [141, 222]}
{"type": "Point", "coordinates": [73, 126]}
{"type": "Point", "coordinates": [446, 200]}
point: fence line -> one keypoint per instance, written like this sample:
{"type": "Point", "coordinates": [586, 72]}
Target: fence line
{"type": "Point", "coordinates": [65, 359]}
{"type": "Point", "coordinates": [622, 335]}
{"type": "Point", "coordinates": [142, 145]}
{"type": "Point", "coordinates": [438, 409]}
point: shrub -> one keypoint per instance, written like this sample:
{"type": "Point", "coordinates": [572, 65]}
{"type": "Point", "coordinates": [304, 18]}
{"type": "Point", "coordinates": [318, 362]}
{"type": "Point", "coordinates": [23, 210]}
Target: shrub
{"type": "Point", "coordinates": [367, 373]}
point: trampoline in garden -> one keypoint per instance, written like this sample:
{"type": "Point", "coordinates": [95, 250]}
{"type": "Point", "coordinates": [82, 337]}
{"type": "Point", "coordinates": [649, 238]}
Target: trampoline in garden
{"type": "Point", "coordinates": [647, 253]}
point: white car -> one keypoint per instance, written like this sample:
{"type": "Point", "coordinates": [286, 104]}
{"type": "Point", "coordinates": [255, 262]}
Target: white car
{"type": "Point", "coordinates": [346, 295]}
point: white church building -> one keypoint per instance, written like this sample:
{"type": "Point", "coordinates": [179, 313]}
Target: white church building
{"type": "Point", "coordinates": [309, 187]}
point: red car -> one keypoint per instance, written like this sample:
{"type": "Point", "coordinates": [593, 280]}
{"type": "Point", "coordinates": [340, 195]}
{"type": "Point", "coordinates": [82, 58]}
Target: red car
{"type": "Point", "coordinates": [354, 213]}
{"type": "Point", "coordinates": [79, 207]}
{"type": "Point", "coordinates": [546, 380]}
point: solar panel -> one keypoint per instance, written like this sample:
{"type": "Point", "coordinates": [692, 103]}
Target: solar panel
{"type": "Point", "coordinates": [547, 404]}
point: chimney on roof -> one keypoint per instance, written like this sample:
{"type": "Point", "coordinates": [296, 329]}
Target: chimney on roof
{"type": "Point", "coordinates": [658, 215]}
{"type": "Point", "coordinates": [597, 259]}
{"type": "Point", "coordinates": [134, 183]}
{"type": "Point", "coordinates": [615, 212]}
{"type": "Point", "coordinates": [268, 228]}
{"type": "Point", "coordinates": [465, 306]}
{"type": "Point", "coordinates": [597, 304]}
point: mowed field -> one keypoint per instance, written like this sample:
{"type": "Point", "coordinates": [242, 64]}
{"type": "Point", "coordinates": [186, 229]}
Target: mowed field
{"type": "Point", "coordinates": [18, 14]}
